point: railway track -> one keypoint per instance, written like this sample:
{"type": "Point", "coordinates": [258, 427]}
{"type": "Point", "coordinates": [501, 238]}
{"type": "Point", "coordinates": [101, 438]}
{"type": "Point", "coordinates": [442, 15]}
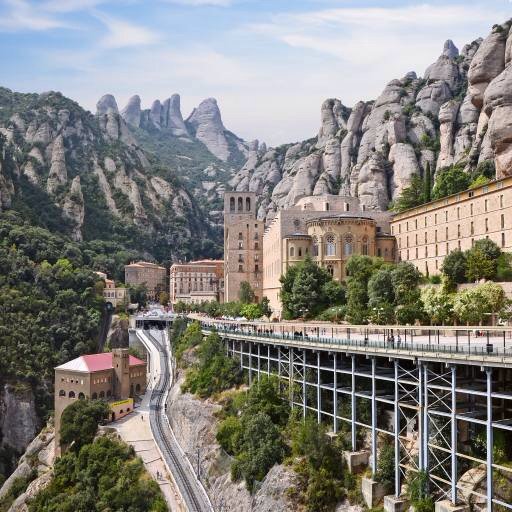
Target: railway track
{"type": "Point", "coordinates": [189, 488]}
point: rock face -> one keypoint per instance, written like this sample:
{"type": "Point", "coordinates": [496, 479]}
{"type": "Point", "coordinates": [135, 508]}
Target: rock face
{"type": "Point", "coordinates": [459, 113]}
{"type": "Point", "coordinates": [206, 122]}
{"type": "Point", "coordinates": [19, 422]}
{"type": "Point", "coordinates": [35, 465]}
{"type": "Point", "coordinates": [194, 425]}
{"type": "Point", "coordinates": [91, 167]}
{"type": "Point", "coordinates": [131, 113]}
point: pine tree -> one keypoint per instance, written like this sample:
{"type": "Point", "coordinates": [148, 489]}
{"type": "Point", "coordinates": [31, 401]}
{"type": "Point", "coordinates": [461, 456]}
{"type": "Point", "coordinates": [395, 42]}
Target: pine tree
{"type": "Point", "coordinates": [427, 184]}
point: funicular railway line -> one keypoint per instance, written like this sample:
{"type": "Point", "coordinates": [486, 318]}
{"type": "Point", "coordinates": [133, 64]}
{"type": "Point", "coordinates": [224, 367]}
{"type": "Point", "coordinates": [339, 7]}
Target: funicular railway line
{"type": "Point", "coordinates": [429, 392]}
{"type": "Point", "coordinates": [189, 488]}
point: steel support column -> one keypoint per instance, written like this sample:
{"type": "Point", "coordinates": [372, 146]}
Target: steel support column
{"type": "Point", "coordinates": [374, 420]}
{"type": "Point", "coordinates": [397, 434]}
{"type": "Point", "coordinates": [250, 363]}
{"type": "Point", "coordinates": [421, 412]}
{"type": "Point", "coordinates": [424, 446]}
{"type": "Point", "coordinates": [268, 360]}
{"type": "Point", "coordinates": [259, 361]}
{"type": "Point", "coordinates": [490, 441]}
{"type": "Point", "coordinates": [335, 394]}
{"type": "Point", "coordinates": [453, 491]}
{"type": "Point", "coordinates": [318, 397]}
{"type": "Point", "coordinates": [353, 404]}
{"type": "Point", "coordinates": [304, 383]}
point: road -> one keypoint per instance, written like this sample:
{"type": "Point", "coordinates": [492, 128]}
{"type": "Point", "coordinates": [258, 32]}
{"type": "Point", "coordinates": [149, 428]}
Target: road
{"type": "Point", "coordinates": [190, 489]}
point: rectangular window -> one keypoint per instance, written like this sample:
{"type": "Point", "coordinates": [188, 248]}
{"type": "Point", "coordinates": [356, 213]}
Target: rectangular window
{"type": "Point", "coordinates": [435, 218]}
{"type": "Point", "coordinates": [502, 239]}
{"type": "Point", "coordinates": [437, 251]}
{"type": "Point", "coordinates": [416, 239]}
{"type": "Point", "coordinates": [486, 225]}
{"type": "Point", "coordinates": [407, 226]}
{"type": "Point", "coordinates": [425, 221]}
{"type": "Point", "coordinates": [435, 235]}
{"type": "Point", "coordinates": [407, 242]}
{"type": "Point", "coordinates": [416, 223]}
{"type": "Point", "coordinates": [485, 204]}
{"type": "Point", "coordinates": [502, 221]}
{"type": "Point", "coordinates": [471, 193]}
{"type": "Point", "coordinates": [458, 213]}
{"type": "Point", "coordinates": [447, 247]}
{"type": "Point", "coordinates": [446, 216]}
{"type": "Point", "coordinates": [501, 201]}
{"type": "Point", "coordinates": [426, 251]}
{"type": "Point", "coordinates": [472, 232]}
{"type": "Point", "coordinates": [471, 209]}
{"type": "Point", "coordinates": [458, 230]}
{"type": "Point", "coordinates": [446, 232]}
{"type": "Point", "coordinates": [416, 253]}
{"type": "Point", "coordinates": [399, 228]}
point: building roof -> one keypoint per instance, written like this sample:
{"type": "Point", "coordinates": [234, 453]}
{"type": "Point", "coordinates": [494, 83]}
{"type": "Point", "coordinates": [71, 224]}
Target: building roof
{"type": "Point", "coordinates": [298, 235]}
{"type": "Point", "coordinates": [95, 363]}
{"type": "Point", "coordinates": [144, 264]}
{"type": "Point", "coordinates": [344, 215]}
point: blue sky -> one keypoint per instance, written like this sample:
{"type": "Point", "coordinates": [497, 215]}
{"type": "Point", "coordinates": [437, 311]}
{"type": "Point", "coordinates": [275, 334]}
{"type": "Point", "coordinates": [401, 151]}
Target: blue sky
{"type": "Point", "coordinates": [270, 64]}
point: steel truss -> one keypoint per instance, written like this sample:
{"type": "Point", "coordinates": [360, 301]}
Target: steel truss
{"type": "Point", "coordinates": [424, 398]}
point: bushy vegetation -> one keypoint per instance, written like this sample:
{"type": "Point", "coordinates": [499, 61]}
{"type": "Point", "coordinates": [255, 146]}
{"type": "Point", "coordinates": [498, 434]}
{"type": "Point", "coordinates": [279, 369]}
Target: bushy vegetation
{"type": "Point", "coordinates": [418, 191]}
{"type": "Point", "coordinates": [259, 430]}
{"type": "Point", "coordinates": [308, 289]}
{"type": "Point", "coordinates": [103, 475]}
{"type": "Point", "coordinates": [484, 260]}
{"type": "Point", "coordinates": [17, 488]}
{"type": "Point", "coordinates": [214, 371]}
{"type": "Point", "coordinates": [79, 422]}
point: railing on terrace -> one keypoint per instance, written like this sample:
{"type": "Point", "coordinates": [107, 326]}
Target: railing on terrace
{"type": "Point", "coordinates": [476, 341]}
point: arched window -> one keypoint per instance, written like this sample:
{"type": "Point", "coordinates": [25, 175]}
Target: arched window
{"type": "Point", "coordinates": [232, 204]}
{"type": "Point", "coordinates": [347, 245]}
{"type": "Point", "coordinates": [292, 252]}
{"type": "Point", "coordinates": [137, 388]}
{"type": "Point", "coordinates": [314, 249]}
{"type": "Point", "coordinates": [102, 394]}
{"type": "Point", "coordinates": [300, 252]}
{"type": "Point", "coordinates": [71, 394]}
{"type": "Point", "coordinates": [330, 245]}
{"type": "Point", "coordinates": [108, 393]}
{"type": "Point", "coordinates": [247, 204]}
{"type": "Point", "coordinates": [330, 269]}
{"type": "Point", "coordinates": [240, 204]}
{"type": "Point", "coordinates": [81, 396]}
{"type": "Point", "coordinates": [95, 396]}
{"type": "Point", "coordinates": [62, 393]}
{"type": "Point", "coordinates": [364, 249]}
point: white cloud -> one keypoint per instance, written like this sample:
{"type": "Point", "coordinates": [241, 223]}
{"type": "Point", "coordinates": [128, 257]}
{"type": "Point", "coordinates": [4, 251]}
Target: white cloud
{"type": "Point", "coordinates": [19, 15]}
{"type": "Point", "coordinates": [122, 34]}
{"type": "Point", "coordinates": [65, 6]}
{"type": "Point", "coordinates": [196, 3]}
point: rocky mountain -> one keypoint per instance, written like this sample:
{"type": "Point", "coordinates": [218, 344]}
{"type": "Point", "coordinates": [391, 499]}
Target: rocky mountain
{"type": "Point", "coordinates": [199, 149]}
{"type": "Point", "coordinates": [86, 175]}
{"type": "Point", "coordinates": [459, 112]}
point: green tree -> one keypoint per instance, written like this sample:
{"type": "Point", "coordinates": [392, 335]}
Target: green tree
{"type": "Point", "coordinates": [334, 293]}
{"type": "Point", "coordinates": [246, 293]}
{"type": "Point", "coordinates": [427, 184]}
{"type": "Point", "coordinates": [410, 196]}
{"type": "Point", "coordinates": [385, 473]}
{"type": "Point", "coordinates": [214, 371]}
{"type": "Point", "coordinates": [251, 311]}
{"type": "Point", "coordinates": [479, 266]}
{"type": "Point", "coordinates": [438, 304]}
{"type": "Point", "coordinates": [450, 180]}
{"type": "Point", "coordinates": [470, 305]}
{"type": "Point", "coordinates": [265, 308]}
{"type": "Point", "coordinates": [163, 298]}
{"type": "Point", "coordinates": [79, 422]}
{"type": "Point", "coordinates": [229, 433]}
{"type": "Point", "coordinates": [454, 266]}
{"type": "Point", "coordinates": [262, 446]}
{"type": "Point", "coordinates": [303, 292]}
{"type": "Point", "coordinates": [488, 248]}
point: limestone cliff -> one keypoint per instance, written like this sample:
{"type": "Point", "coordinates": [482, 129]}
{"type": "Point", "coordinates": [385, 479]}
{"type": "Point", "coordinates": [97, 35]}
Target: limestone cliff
{"type": "Point", "coordinates": [458, 113]}
{"type": "Point", "coordinates": [55, 154]}
{"type": "Point", "coordinates": [194, 425]}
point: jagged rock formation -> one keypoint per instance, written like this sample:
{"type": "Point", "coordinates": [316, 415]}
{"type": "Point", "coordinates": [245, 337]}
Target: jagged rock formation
{"type": "Point", "coordinates": [194, 425]}
{"type": "Point", "coordinates": [35, 465]}
{"type": "Point", "coordinates": [458, 113]}
{"type": "Point", "coordinates": [92, 169]}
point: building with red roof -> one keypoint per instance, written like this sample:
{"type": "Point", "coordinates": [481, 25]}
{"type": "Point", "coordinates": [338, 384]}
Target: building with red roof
{"type": "Point", "coordinates": [116, 377]}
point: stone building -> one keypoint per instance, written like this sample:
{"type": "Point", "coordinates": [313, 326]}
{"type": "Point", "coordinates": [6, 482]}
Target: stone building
{"type": "Point", "coordinates": [150, 274]}
{"type": "Point", "coordinates": [243, 242]}
{"type": "Point", "coordinates": [115, 295]}
{"type": "Point", "coordinates": [427, 233]}
{"type": "Point", "coordinates": [330, 229]}
{"type": "Point", "coordinates": [113, 376]}
{"type": "Point", "coordinates": [197, 281]}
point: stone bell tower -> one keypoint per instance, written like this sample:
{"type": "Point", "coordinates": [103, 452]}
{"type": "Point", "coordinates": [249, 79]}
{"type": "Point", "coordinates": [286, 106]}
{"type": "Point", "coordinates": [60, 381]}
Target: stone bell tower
{"type": "Point", "coordinates": [121, 365]}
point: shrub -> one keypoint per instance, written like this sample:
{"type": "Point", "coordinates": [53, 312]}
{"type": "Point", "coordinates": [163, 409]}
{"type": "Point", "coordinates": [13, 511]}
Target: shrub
{"type": "Point", "coordinates": [450, 180]}
{"type": "Point", "coordinates": [79, 422]}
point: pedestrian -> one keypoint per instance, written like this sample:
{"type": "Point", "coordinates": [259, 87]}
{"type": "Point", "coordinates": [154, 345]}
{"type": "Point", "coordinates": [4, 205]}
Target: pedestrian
{"type": "Point", "coordinates": [142, 417]}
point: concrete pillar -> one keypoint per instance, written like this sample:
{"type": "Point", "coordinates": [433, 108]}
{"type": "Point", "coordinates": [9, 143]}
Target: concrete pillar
{"type": "Point", "coordinates": [397, 434]}
{"type": "Point", "coordinates": [318, 394]}
{"type": "Point", "coordinates": [490, 441]}
{"type": "Point", "coordinates": [374, 419]}
{"type": "Point", "coordinates": [335, 394]}
{"type": "Point", "coordinates": [353, 404]}
{"type": "Point", "coordinates": [453, 490]}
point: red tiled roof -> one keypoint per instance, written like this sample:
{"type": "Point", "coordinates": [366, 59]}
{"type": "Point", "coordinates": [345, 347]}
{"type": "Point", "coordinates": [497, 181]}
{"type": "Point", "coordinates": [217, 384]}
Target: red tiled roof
{"type": "Point", "coordinates": [95, 362]}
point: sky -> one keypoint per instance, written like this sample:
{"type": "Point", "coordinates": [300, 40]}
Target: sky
{"type": "Point", "coordinates": [270, 64]}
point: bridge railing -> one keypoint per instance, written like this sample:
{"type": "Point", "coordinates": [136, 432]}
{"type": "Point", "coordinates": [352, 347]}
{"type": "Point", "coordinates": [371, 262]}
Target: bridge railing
{"type": "Point", "coordinates": [483, 346]}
